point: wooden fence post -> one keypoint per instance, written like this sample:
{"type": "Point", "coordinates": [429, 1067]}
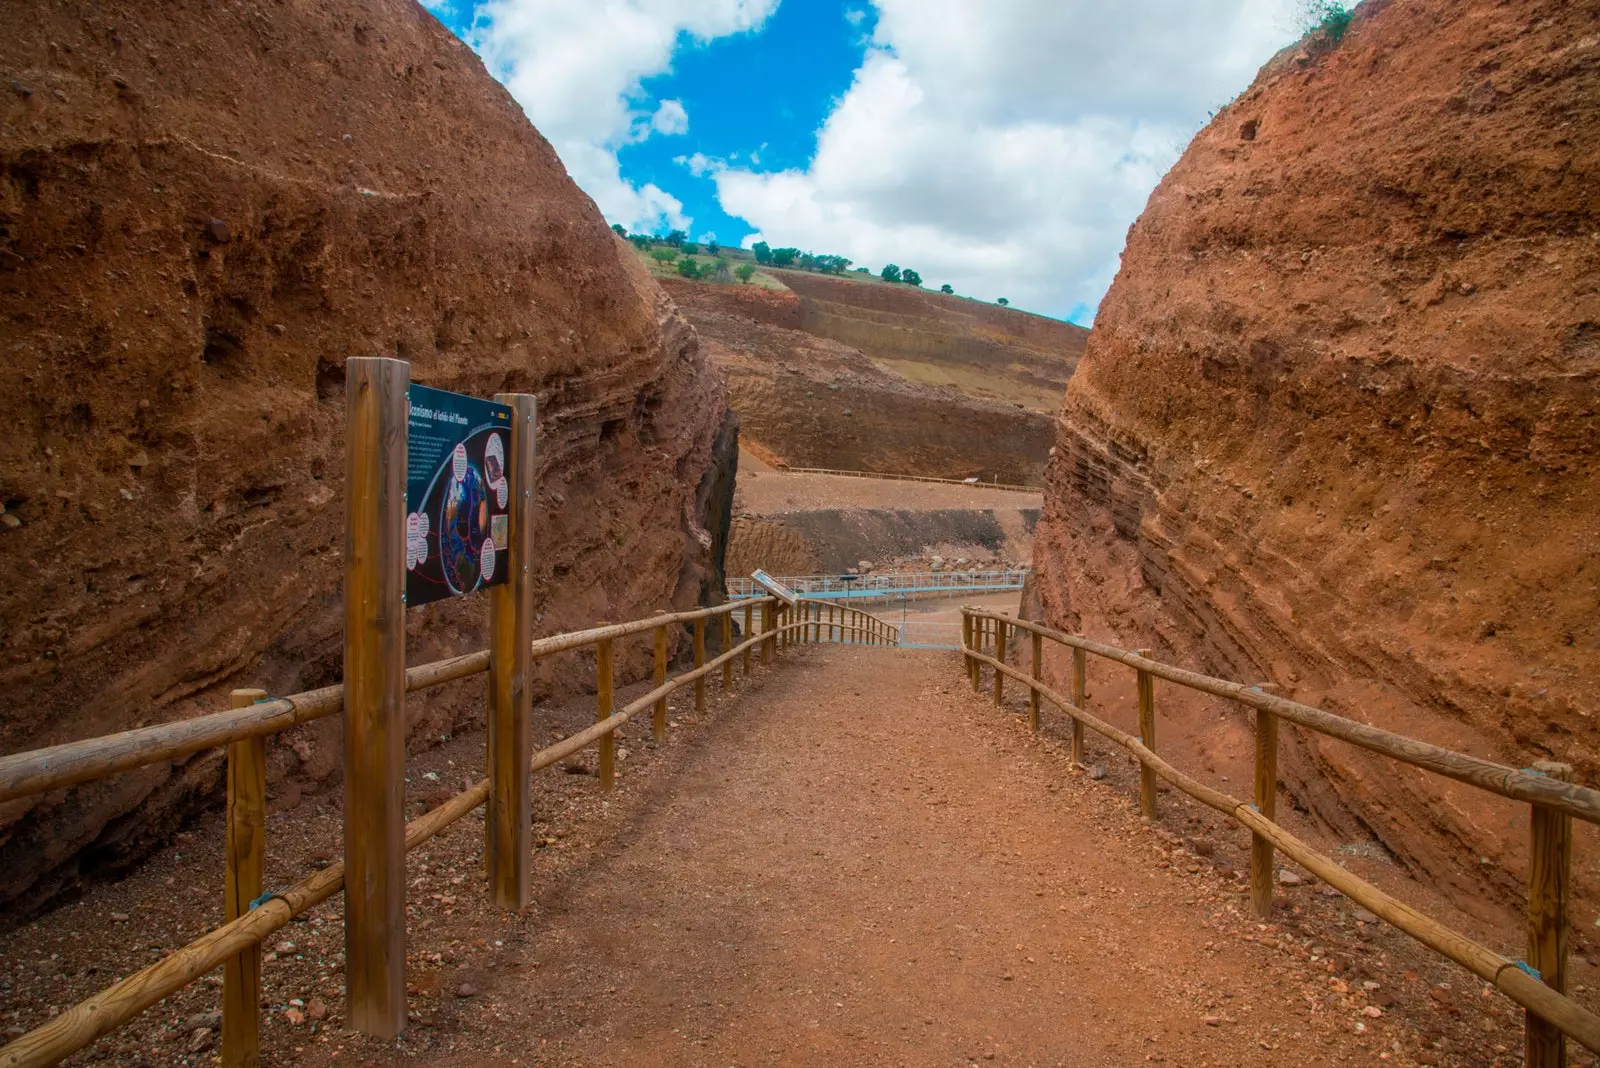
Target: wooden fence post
{"type": "Point", "coordinates": [1262, 871]}
{"type": "Point", "coordinates": [700, 662]}
{"type": "Point", "coordinates": [1147, 735]}
{"type": "Point", "coordinates": [727, 644]}
{"type": "Point", "coordinates": [766, 632]}
{"type": "Point", "coordinates": [658, 718]}
{"type": "Point", "coordinates": [1000, 655]}
{"type": "Point", "coordinates": [975, 668]}
{"type": "Point", "coordinates": [375, 694]}
{"type": "Point", "coordinates": [748, 634]}
{"type": "Point", "coordinates": [247, 834]}
{"type": "Point", "coordinates": [509, 822]}
{"type": "Point", "coordinates": [1080, 697]}
{"type": "Point", "coordinates": [1038, 673]}
{"type": "Point", "coordinates": [1549, 884]}
{"type": "Point", "coordinates": [605, 681]}
{"type": "Point", "coordinates": [966, 643]}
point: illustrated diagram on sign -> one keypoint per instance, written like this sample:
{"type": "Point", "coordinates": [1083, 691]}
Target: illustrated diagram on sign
{"type": "Point", "coordinates": [456, 493]}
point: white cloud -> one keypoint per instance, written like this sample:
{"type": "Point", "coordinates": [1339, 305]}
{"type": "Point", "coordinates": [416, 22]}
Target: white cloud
{"type": "Point", "coordinates": [670, 118]}
{"type": "Point", "coordinates": [577, 69]}
{"type": "Point", "coordinates": [1005, 147]}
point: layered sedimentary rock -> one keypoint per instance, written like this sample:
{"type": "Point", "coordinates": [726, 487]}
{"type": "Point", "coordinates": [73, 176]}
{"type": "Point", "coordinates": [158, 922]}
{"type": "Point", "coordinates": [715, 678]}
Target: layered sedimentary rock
{"type": "Point", "coordinates": [1338, 420]}
{"type": "Point", "coordinates": [814, 402]}
{"type": "Point", "coordinates": [204, 211]}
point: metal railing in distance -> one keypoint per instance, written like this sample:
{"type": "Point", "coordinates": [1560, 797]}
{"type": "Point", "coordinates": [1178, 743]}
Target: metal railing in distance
{"type": "Point", "coordinates": [25, 774]}
{"type": "Point", "coordinates": [838, 587]}
{"type": "Point", "coordinates": [1537, 983]}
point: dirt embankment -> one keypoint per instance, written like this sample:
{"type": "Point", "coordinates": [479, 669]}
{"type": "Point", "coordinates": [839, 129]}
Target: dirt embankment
{"type": "Point", "coordinates": [1337, 424]}
{"type": "Point", "coordinates": [792, 524]}
{"type": "Point", "coordinates": [814, 402]}
{"type": "Point", "coordinates": [980, 349]}
{"type": "Point", "coordinates": [203, 212]}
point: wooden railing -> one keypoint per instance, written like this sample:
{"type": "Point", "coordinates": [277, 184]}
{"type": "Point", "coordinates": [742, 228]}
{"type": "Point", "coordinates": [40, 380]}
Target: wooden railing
{"type": "Point", "coordinates": [252, 915]}
{"type": "Point", "coordinates": [1538, 984]}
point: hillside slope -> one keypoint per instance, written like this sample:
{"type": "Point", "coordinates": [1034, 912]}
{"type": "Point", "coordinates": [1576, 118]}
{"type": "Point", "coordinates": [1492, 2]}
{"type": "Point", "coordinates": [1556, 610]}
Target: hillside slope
{"type": "Point", "coordinates": [1337, 425]}
{"type": "Point", "coordinates": [204, 210]}
{"type": "Point", "coordinates": [816, 402]}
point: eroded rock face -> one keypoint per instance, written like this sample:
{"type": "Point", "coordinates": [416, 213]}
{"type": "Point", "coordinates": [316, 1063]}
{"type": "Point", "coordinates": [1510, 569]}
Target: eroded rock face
{"type": "Point", "coordinates": [811, 401]}
{"type": "Point", "coordinates": [1338, 421]}
{"type": "Point", "coordinates": [204, 211]}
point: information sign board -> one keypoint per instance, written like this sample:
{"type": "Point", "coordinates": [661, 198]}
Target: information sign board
{"type": "Point", "coordinates": [776, 588]}
{"type": "Point", "coordinates": [457, 494]}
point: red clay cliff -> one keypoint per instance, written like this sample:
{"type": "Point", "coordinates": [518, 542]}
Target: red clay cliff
{"type": "Point", "coordinates": [1338, 423]}
{"type": "Point", "coordinates": [205, 209]}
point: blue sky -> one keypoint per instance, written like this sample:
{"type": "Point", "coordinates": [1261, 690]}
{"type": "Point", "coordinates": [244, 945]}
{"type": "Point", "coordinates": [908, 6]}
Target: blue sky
{"type": "Point", "coordinates": [1003, 146]}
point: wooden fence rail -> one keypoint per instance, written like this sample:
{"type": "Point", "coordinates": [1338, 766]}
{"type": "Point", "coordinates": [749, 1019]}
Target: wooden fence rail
{"type": "Point", "coordinates": [235, 944]}
{"type": "Point", "coordinates": [1537, 984]}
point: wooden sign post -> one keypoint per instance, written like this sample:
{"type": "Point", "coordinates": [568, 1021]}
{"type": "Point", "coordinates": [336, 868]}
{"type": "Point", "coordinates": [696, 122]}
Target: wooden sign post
{"type": "Point", "coordinates": [246, 846]}
{"type": "Point", "coordinates": [375, 694]}
{"type": "Point", "coordinates": [510, 743]}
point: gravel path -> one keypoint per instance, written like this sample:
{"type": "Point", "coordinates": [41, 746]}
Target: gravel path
{"type": "Point", "coordinates": [850, 859]}
{"type": "Point", "coordinates": [866, 864]}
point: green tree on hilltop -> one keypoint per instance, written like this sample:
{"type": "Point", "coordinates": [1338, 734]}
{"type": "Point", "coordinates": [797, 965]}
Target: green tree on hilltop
{"type": "Point", "coordinates": [890, 273]}
{"type": "Point", "coordinates": [763, 252]}
{"type": "Point", "coordinates": [746, 271]}
{"type": "Point", "coordinates": [1003, 302]}
{"type": "Point", "coordinates": [947, 288]}
{"type": "Point", "coordinates": [910, 277]}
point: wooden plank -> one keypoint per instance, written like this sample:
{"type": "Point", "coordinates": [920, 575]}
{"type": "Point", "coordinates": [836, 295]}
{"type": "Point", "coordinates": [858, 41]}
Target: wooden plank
{"type": "Point", "coordinates": [1549, 891]}
{"type": "Point", "coordinates": [1000, 655]}
{"type": "Point", "coordinates": [508, 824]}
{"type": "Point", "coordinates": [658, 721]}
{"type": "Point", "coordinates": [375, 686]}
{"type": "Point", "coordinates": [748, 620]}
{"type": "Point", "coordinates": [1080, 699]}
{"type": "Point", "coordinates": [245, 860]}
{"type": "Point", "coordinates": [699, 662]}
{"type": "Point", "coordinates": [1037, 663]}
{"type": "Point", "coordinates": [1570, 1017]}
{"type": "Point", "coordinates": [1580, 802]}
{"type": "Point", "coordinates": [1262, 860]}
{"type": "Point", "coordinates": [605, 680]}
{"type": "Point", "coordinates": [1147, 734]}
{"type": "Point", "coordinates": [766, 633]}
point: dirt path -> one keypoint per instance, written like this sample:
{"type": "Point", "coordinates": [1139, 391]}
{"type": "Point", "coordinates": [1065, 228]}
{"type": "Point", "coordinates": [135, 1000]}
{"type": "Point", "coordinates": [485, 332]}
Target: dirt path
{"type": "Point", "coordinates": [850, 859]}
{"type": "Point", "coordinates": [865, 864]}
{"type": "Point", "coordinates": [772, 492]}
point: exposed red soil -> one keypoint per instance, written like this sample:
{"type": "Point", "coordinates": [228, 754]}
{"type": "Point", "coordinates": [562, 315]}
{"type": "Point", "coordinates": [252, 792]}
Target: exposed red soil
{"type": "Point", "coordinates": [203, 211]}
{"type": "Point", "coordinates": [853, 861]}
{"type": "Point", "coordinates": [821, 383]}
{"type": "Point", "coordinates": [1337, 430]}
